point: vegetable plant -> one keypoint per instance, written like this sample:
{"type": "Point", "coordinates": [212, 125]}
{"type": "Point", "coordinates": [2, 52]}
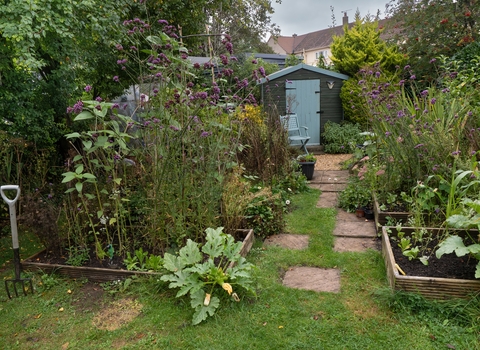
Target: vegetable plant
{"type": "Point", "coordinates": [204, 272]}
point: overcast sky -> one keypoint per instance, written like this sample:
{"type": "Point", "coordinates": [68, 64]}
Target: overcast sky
{"type": "Point", "coordinates": [305, 16]}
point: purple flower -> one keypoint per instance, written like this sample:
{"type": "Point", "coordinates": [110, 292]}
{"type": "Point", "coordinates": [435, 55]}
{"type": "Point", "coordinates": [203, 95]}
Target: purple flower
{"type": "Point", "coordinates": [78, 107]}
{"type": "Point", "coordinates": [377, 74]}
{"type": "Point", "coordinates": [456, 153]}
{"type": "Point", "coordinates": [88, 88]}
{"type": "Point", "coordinates": [433, 100]}
{"type": "Point", "coordinates": [162, 21]}
{"type": "Point", "coordinates": [205, 134]}
{"type": "Point", "coordinates": [418, 146]}
{"type": "Point", "coordinates": [424, 93]}
{"type": "Point", "coordinates": [98, 107]}
{"type": "Point", "coordinates": [406, 67]}
{"type": "Point", "coordinates": [115, 78]}
{"type": "Point", "coordinates": [446, 90]}
{"type": "Point", "coordinates": [98, 99]}
{"type": "Point", "coordinates": [387, 133]}
{"type": "Point", "coordinates": [433, 60]}
{"type": "Point", "coordinates": [174, 128]}
{"type": "Point", "coordinates": [413, 77]}
{"type": "Point", "coordinates": [119, 47]}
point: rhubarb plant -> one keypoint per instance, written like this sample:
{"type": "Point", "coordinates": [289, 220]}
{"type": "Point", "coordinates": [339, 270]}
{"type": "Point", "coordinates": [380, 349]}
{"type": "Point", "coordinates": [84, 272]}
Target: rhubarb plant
{"type": "Point", "coordinates": [202, 271]}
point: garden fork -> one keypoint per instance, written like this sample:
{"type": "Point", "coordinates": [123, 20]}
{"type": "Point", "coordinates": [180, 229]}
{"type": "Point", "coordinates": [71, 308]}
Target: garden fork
{"type": "Point", "coordinates": [16, 250]}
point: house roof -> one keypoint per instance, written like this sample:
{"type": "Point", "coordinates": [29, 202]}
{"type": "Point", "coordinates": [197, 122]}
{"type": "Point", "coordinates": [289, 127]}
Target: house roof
{"type": "Point", "coordinates": [291, 69]}
{"type": "Point", "coordinates": [314, 40]}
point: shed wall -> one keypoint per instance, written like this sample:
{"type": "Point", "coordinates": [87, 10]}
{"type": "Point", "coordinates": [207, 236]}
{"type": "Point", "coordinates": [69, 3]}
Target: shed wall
{"type": "Point", "coordinates": [330, 102]}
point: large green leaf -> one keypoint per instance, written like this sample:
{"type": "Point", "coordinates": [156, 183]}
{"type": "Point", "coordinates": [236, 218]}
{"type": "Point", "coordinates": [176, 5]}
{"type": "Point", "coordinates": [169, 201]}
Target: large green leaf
{"type": "Point", "coordinates": [455, 244]}
{"type": "Point", "coordinates": [215, 242]}
{"type": "Point", "coordinates": [84, 116]}
{"type": "Point", "coordinates": [172, 263]}
{"type": "Point", "coordinates": [202, 311]}
{"type": "Point", "coordinates": [190, 254]}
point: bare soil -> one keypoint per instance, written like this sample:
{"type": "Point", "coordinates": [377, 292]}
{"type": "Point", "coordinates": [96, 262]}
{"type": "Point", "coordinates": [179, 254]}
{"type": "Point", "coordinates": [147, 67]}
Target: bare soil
{"type": "Point", "coordinates": [449, 266]}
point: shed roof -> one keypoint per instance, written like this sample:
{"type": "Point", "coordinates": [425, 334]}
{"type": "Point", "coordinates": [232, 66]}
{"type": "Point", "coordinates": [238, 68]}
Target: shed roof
{"type": "Point", "coordinates": [308, 67]}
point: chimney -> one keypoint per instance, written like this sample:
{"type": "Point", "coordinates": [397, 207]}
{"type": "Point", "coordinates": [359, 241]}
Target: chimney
{"type": "Point", "coordinates": [344, 19]}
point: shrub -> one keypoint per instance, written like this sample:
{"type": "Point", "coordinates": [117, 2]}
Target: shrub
{"type": "Point", "coordinates": [356, 194]}
{"type": "Point", "coordinates": [341, 138]}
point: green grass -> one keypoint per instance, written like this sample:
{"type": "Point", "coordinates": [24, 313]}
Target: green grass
{"type": "Point", "coordinates": [364, 315]}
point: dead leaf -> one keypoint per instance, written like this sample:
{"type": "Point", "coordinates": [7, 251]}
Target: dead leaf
{"type": "Point", "coordinates": [65, 346]}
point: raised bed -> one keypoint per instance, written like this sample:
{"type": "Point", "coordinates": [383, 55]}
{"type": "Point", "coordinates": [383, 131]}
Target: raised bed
{"type": "Point", "coordinates": [381, 217]}
{"type": "Point", "coordinates": [429, 287]}
{"type": "Point", "coordinates": [96, 274]}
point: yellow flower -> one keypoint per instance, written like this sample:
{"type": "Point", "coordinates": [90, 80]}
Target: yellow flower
{"type": "Point", "coordinates": [228, 288]}
{"type": "Point", "coordinates": [206, 302]}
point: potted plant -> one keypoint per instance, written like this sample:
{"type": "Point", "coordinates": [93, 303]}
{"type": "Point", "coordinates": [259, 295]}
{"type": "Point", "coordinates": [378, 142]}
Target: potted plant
{"type": "Point", "coordinates": [307, 164]}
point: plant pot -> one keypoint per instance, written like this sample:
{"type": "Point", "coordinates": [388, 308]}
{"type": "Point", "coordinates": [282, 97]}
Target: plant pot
{"type": "Point", "coordinates": [381, 217]}
{"type": "Point", "coordinates": [429, 287]}
{"type": "Point", "coordinates": [308, 169]}
{"type": "Point", "coordinates": [104, 274]}
{"type": "Point", "coordinates": [369, 215]}
{"type": "Point", "coordinates": [359, 212]}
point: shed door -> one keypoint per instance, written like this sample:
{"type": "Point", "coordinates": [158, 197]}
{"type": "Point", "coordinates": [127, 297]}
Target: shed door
{"type": "Point", "coordinates": [303, 99]}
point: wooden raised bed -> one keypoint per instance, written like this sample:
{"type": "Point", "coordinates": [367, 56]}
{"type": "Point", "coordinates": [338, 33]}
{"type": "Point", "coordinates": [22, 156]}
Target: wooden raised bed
{"type": "Point", "coordinates": [96, 274]}
{"type": "Point", "coordinates": [429, 287]}
{"type": "Point", "coordinates": [381, 216]}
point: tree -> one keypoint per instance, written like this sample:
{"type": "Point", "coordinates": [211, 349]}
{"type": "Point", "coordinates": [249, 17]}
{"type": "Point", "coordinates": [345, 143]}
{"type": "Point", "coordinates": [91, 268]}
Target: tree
{"type": "Point", "coordinates": [362, 46]}
{"type": "Point", "coordinates": [426, 29]}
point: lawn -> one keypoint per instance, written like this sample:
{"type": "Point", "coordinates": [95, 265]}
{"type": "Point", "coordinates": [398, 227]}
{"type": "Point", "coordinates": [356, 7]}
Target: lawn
{"type": "Point", "coordinates": [144, 313]}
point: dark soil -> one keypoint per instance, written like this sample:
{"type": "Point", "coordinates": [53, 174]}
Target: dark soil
{"type": "Point", "coordinates": [449, 266]}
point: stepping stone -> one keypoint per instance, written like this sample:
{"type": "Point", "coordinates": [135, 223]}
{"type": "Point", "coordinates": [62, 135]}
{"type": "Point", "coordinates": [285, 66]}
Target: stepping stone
{"type": "Point", "coordinates": [353, 244]}
{"type": "Point", "coordinates": [358, 229]}
{"type": "Point", "coordinates": [313, 278]}
{"type": "Point", "coordinates": [327, 200]}
{"type": "Point", "coordinates": [288, 241]}
{"type": "Point", "coordinates": [331, 187]}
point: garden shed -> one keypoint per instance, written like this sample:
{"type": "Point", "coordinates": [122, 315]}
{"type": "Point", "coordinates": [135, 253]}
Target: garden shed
{"type": "Point", "coordinates": [310, 92]}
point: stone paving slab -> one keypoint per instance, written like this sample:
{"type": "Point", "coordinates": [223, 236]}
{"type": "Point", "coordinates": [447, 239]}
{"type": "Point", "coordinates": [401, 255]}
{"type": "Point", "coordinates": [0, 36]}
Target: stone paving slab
{"type": "Point", "coordinates": [329, 177]}
{"type": "Point", "coordinates": [327, 200]}
{"type": "Point", "coordinates": [355, 229]}
{"type": "Point", "coordinates": [354, 244]}
{"type": "Point", "coordinates": [288, 241]}
{"type": "Point", "coordinates": [313, 278]}
{"type": "Point", "coordinates": [331, 187]}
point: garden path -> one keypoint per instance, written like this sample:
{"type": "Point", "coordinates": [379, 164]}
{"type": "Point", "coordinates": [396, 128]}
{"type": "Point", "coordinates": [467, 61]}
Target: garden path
{"type": "Point", "coordinates": [352, 234]}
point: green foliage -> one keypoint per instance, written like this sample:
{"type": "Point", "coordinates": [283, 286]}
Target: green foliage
{"type": "Point", "coordinates": [357, 194]}
{"type": "Point", "coordinates": [265, 211]}
{"type": "Point", "coordinates": [292, 60]}
{"type": "Point", "coordinates": [362, 46]}
{"type": "Point", "coordinates": [444, 29]}
{"type": "Point", "coordinates": [223, 267]}
{"type": "Point", "coordinates": [341, 138]}
{"type": "Point", "coordinates": [143, 261]}
{"type": "Point", "coordinates": [77, 256]}
{"type": "Point", "coordinates": [423, 131]}
{"type": "Point", "coordinates": [455, 244]}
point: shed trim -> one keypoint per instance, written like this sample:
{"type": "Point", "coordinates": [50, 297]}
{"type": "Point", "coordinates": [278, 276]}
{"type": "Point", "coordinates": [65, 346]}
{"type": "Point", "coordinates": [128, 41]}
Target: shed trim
{"type": "Point", "coordinates": [310, 68]}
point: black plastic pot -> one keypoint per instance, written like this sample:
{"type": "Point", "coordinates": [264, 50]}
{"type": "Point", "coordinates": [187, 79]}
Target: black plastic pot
{"type": "Point", "coordinates": [307, 169]}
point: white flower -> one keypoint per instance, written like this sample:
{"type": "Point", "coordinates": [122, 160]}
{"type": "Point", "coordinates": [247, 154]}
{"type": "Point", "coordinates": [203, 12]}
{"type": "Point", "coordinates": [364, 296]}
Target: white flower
{"type": "Point", "coordinates": [289, 189]}
{"type": "Point", "coordinates": [287, 202]}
